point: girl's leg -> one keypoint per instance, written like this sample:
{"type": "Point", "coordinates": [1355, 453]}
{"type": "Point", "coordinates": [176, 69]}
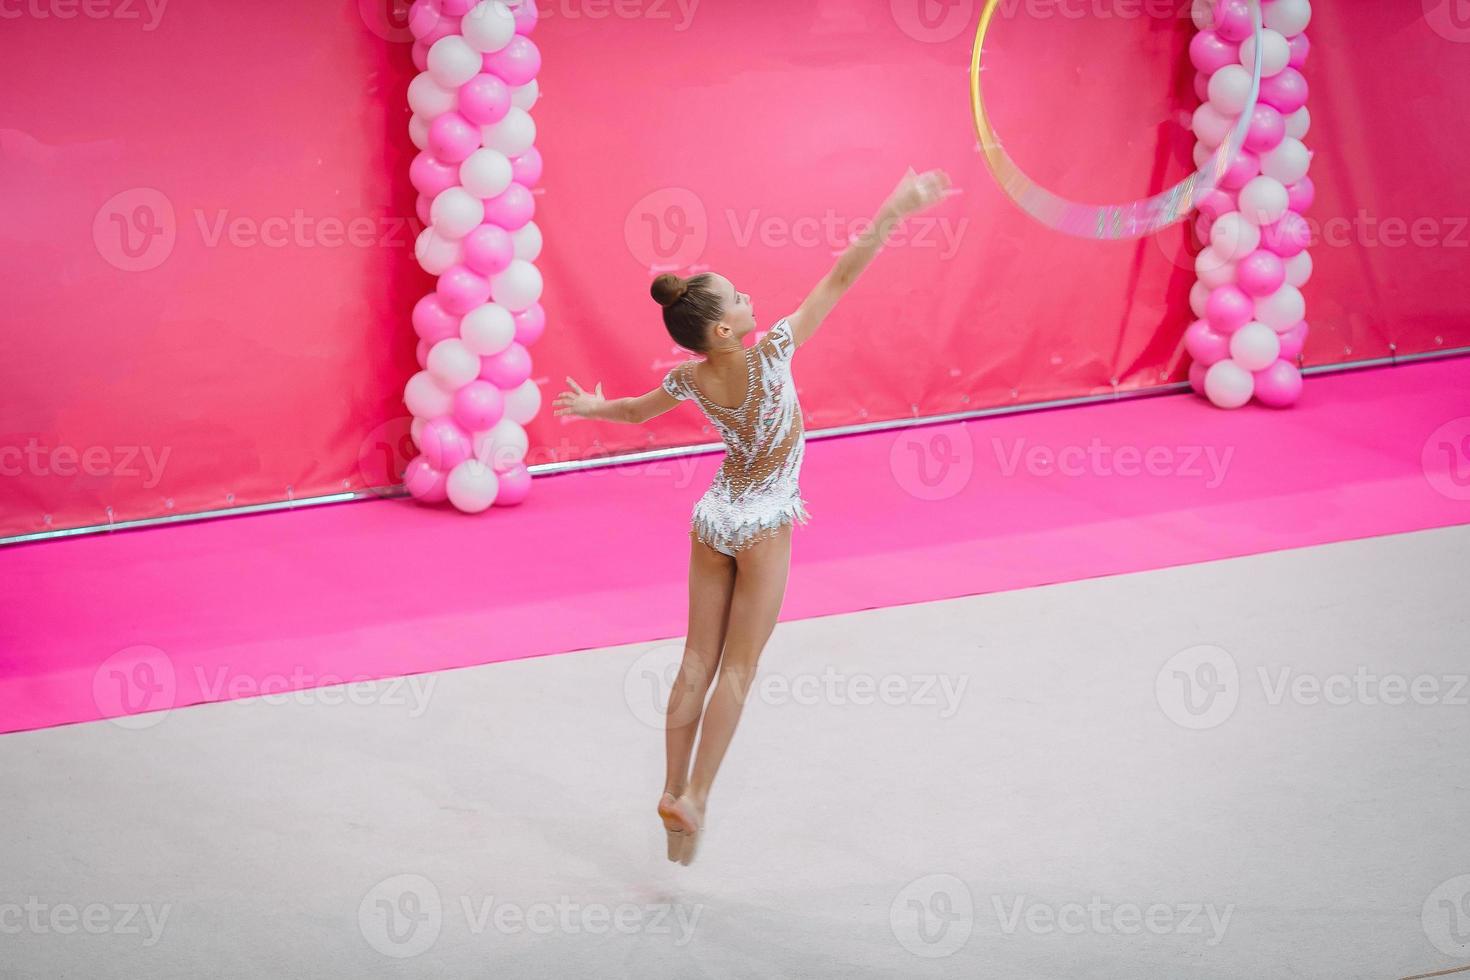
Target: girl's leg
{"type": "Point", "coordinates": [711, 583]}
{"type": "Point", "coordinates": [760, 586]}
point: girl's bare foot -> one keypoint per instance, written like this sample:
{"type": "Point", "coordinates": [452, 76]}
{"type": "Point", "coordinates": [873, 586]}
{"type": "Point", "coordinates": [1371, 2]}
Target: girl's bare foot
{"type": "Point", "coordinates": [683, 819]}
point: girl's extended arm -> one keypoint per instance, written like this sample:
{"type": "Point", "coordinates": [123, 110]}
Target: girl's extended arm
{"type": "Point", "coordinates": [591, 404]}
{"type": "Point", "coordinates": [914, 193]}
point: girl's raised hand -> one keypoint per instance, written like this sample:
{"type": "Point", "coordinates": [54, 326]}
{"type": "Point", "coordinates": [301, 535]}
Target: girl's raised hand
{"type": "Point", "coordinates": [919, 191]}
{"type": "Point", "coordinates": [577, 401]}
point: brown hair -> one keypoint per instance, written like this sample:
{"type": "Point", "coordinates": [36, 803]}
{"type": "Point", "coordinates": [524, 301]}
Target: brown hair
{"type": "Point", "coordinates": [690, 306]}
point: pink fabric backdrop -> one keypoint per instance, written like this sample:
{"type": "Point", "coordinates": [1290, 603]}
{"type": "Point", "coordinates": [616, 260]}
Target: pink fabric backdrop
{"type": "Point", "coordinates": [249, 331]}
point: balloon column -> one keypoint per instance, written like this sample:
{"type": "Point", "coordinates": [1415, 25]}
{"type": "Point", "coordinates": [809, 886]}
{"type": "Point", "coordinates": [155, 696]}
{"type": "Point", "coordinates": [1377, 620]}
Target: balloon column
{"type": "Point", "coordinates": [1251, 316]}
{"type": "Point", "coordinates": [474, 173]}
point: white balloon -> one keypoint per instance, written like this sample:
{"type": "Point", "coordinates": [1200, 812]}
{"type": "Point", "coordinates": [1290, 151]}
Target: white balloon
{"type": "Point", "coordinates": [472, 486]}
{"type": "Point", "coordinates": [435, 252]}
{"type": "Point", "coordinates": [1202, 153]}
{"type": "Point", "coordinates": [425, 398]}
{"type": "Point", "coordinates": [1275, 53]}
{"type": "Point", "coordinates": [486, 173]}
{"type": "Point", "coordinates": [1283, 309]}
{"type": "Point", "coordinates": [1287, 17]}
{"type": "Point", "coordinates": [1202, 12]}
{"type": "Point", "coordinates": [1230, 90]}
{"type": "Point", "coordinates": [523, 402]}
{"type": "Point", "coordinates": [1228, 385]}
{"type": "Point", "coordinates": [489, 26]}
{"type": "Point", "coordinates": [1210, 126]}
{"type": "Point", "coordinates": [418, 131]}
{"type": "Point", "coordinates": [1263, 200]}
{"type": "Point", "coordinates": [416, 431]}
{"type": "Point", "coordinates": [456, 212]}
{"type": "Point", "coordinates": [513, 135]}
{"type": "Point", "coordinates": [452, 364]}
{"type": "Point", "coordinates": [527, 241]}
{"type": "Point", "coordinates": [1288, 162]}
{"type": "Point", "coordinates": [518, 287]}
{"type": "Point", "coordinates": [1299, 269]}
{"type": "Point", "coordinates": [1298, 123]}
{"type": "Point", "coordinates": [488, 329]}
{"type": "Point", "coordinates": [503, 446]}
{"type": "Point", "coordinates": [452, 62]}
{"type": "Point", "coordinates": [427, 98]}
{"type": "Point", "coordinates": [1233, 237]}
{"type": "Point", "coordinates": [525, 96]}
{"type": "Point", "coordinates": [1199, 295]}
{"type": "Point", "coordinates": [1213, 270]}
{"type": "Point", "coordinates": [1255, 346]}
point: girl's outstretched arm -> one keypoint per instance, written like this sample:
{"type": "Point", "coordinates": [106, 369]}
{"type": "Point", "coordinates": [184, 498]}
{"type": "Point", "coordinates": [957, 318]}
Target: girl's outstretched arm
{"type": "Point", "coordinates": [914, 193]}
{"type": "Point", "coordinates": [591, 404]}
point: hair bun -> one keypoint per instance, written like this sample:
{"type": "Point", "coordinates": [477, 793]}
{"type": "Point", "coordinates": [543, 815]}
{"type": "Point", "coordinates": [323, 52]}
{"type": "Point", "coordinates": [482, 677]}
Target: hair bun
{"type": "Point", "coordinates": [668, 289]}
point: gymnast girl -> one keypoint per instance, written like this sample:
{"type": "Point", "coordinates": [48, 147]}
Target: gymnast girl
{"type": "Point", "coordinates": [741, 527]}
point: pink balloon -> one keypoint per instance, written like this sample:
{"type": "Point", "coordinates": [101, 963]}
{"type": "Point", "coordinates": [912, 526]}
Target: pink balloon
{"type": "Point", "coordinates": [442, 28]}
{"type": "Point", "coordinates": [420, 55]}
{"type": "Point", "coordinates": [1216, 203]}
{"type": "Point", "coordinates": [508, 369]}
{"type": "Point", "coordinates": [517, 62]}
{"type": "Point", "coordinates": [1287, 237]}
{"type": "Point", "coordinates": [1197, 378]}
{"type": "Point", "coordinates": [514, 487]}
{"type": "Point", "coordinates": [421, 208]}
{"type": "Point", "coordinates": [431, 177]}
{"type": "Point", "coordinates": [484, 99]}
{"type": "Point", "coordinates": [1228, 309]}
{"type": "Point", "coordinates": [1245, 168]}
{"type": "Point", "coordinates": [526, 17]}
{"type": "Point", "coordinates": [425, 483]}
{"type": "Point", "coordinates": [1202, 225]}
{"type": "Point", "coordinates": [421, 353]}
{"type": "Point", "coordinates": [457, 8]}
{"type": "Point", "coordinates": [1202, 86]}
{"type": "Point", "coordinates": [452, 137]}
{"type": "Point", "coordinates": [488, 249]}
{"type": "Point", "coordinates": [511, 209]}
{"type": "Point", "coordinates": [432, 322]}
{"type": "Point", "coordinates": [1260, 273]}
{"type": "Point", "coordinates": [461, 290]}
{"type": "Point", "coordinates": [478, 406]}
{"type": "Point", "coordinates": [445, 445]}
{"type": "Point", "coordinates": [1292, 341]}
{"type": "Point", "coordinates": [1209, 52]}
{"type": "Point", "coordinates": [1205, 344]}
{"type": "Point", "coordinates": [1286, 90]}
{"type": "Point", "coordinates": [530, 325]}
{"type": "Point", "coordinates": [1233, 20]}
{"type": "Point", "coordinates": [1300, 48]}
{"type": "Point", "coordinates": [526, 168]}
{"type": "Point", "coordinates": [1278, 385]}
{"type": "Point", "coordinates": [1299, 196]}
{"type": "Point", "coordinates": [423, 15]}
{"type": "Point", "coordinates": [1267, 130]}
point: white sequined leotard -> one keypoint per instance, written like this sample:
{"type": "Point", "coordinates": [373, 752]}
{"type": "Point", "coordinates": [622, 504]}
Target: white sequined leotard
{"type": "Point", "coordinates": [755, 492]}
